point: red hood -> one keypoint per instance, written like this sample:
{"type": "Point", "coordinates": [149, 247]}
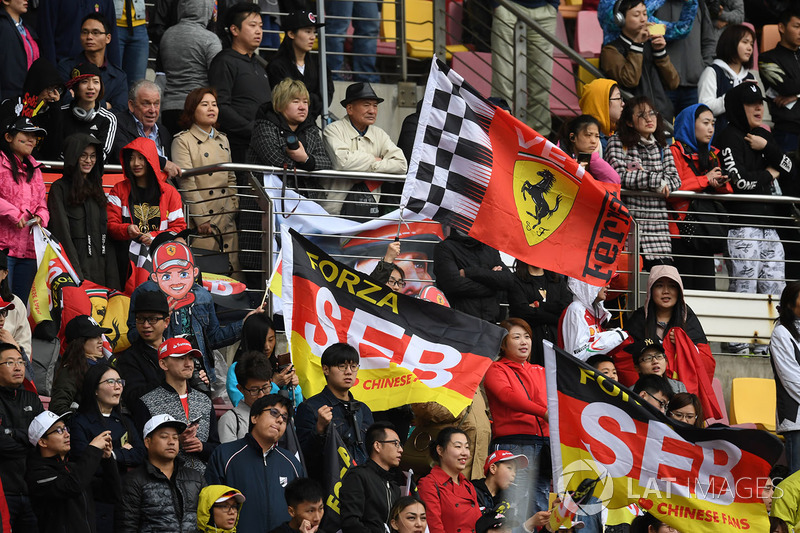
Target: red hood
{"type": "Point", "coordinates": [148, 149]}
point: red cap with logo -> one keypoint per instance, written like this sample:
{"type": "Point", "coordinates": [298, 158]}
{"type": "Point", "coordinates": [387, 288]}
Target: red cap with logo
{"type": "Point", "coordinates": [177, 347]}
{"type": "Point", "coordinates": [504, 455]}
{"type": "Point", "coordinates": [172, 254]}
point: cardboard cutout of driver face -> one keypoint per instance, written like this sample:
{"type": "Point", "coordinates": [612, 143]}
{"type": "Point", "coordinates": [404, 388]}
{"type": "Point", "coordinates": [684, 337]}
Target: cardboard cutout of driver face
{"type": "Point", "coordinates": [174, 272]}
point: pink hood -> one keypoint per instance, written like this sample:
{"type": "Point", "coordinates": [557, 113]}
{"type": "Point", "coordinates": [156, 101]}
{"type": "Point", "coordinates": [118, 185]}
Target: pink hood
{"type": "Point", "coordinates": [663, 271]}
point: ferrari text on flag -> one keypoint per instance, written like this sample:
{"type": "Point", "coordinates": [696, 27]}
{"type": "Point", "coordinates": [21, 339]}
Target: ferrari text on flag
{"type": "Point", "coordinates": [482, 171]}
{"type": "Point", "coordinates": [411, 350]}
{"type": "Point", "coordinates": [698, 480]}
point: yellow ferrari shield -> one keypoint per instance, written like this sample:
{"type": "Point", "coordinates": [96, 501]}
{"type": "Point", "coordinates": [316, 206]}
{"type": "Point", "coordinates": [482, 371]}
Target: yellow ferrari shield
{"type": "Point", "coordinates": [544, 196]}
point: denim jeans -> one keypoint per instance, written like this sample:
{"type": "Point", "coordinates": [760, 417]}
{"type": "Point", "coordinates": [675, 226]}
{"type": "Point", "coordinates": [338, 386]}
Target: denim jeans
{"type": "Point", "coordinates": [792, 443]}
{"type": "Point", "coordinates": [133, 49]}
{"type": "Point", "coordinates": [339, 13]}
{"type": "Point", "coordinates": [682, 97]}
{"type": "Point", "coordinates": [530, 491]}
{"type": "Point", "coordinates": [20, 276]}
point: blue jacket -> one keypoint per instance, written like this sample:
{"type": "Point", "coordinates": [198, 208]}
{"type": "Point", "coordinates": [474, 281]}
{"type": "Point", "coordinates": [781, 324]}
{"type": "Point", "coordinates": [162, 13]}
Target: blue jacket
{"type": "Point", "coordinates": [85, 426]}
{"type": "Point", "coordinates": [59, 27]}
{"type": "Point", "coordinates": [239, 464]}
{"type": "Point", "coordinates": [313, 443]}
{"type": "Point", "coordinates": [115, 82]}
{"type": "Point", "coordinates": [202, 321]}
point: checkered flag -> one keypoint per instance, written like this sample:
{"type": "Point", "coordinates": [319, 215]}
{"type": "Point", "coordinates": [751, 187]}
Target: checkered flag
{"type": "Point", "coordinates": [451, 163]}
{"type": "Point", "coordinates": [139, 255]}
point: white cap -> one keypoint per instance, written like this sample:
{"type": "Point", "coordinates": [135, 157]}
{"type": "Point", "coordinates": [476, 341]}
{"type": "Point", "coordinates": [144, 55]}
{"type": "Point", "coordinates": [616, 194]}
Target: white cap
{"type": "Point", "coordinates": [42, 424]}
{"type": "Point", "coordinates": [237, 496]}
{"type": "Point", "coordinates": [162, 420]}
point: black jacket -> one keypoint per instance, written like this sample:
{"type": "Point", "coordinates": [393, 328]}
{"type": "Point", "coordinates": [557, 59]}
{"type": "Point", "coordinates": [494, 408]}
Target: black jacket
{"type": "Point", "coordinates": [636, 326]}
{"type": "Point", "coordinates": [481, 290]}
{"type": "Point", "coordinates": [138, 366]}
{"type": "Point", "coordinates": [151, 503]}
{"type": "Point", "coordinates": [242, 87]}
{"type": "Point", "coordinates": [367, 495]}
{"type": "Point", "coordinates": [282, 66]}
{"type": "Point", "coordinates": [127, 131]}
{"type": "Point", "coordinates": [780, 70]}
{"type": "Point", "coordinates": [15, 61]}
{"type": "Point", "coordinates": [61, 492]}
{"type": "Point", "coordinates": [18, 408]}
{"type": "Point", "coordinates": [543, 319]}
{"type": "Point", "coordinates": [486, 501]}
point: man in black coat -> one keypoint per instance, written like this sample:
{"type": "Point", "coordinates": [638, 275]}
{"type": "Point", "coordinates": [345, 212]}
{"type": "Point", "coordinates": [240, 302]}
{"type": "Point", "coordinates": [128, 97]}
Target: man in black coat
{"type": "Point", "coordinates": [370, 490]}
{"type": "Point", "coordinates": [18, 408]}
{"type": "Point", "coordinates": [61, 490]}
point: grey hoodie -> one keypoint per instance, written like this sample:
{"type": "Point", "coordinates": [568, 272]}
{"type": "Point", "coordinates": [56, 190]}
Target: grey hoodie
{"type": "Point", "coordinates": [186, 52]}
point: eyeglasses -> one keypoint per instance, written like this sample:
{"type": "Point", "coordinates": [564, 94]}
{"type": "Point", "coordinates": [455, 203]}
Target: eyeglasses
{"type": "Point", "coordinates": [60, 430]}
{"type": "Point", "coordinates": [352, 366]}
{"type": "Point", "coordinates": [152, 320]}
{"type": "Point", "coordinates": [399, 283]}
{"type": "Point", "coordinates": [654, 357]}
{"type": "Point", "coordinates": [397, 443]}
{"type": "Point", "coordinates": [230, 508]}
{"type": "Point", "coordinates": [112, 382]}
{"type": "Point", "coordinates": [4, 313]}
{"type": "Point", "coordinates": [618, 98]}
{"type": "Point", "coordinates": [274, 413]}
{"type": "Point", "coordinates": [646, 114]}
{"type": "Point", "coordinates": [9, 364]}
{"type": "Point", "coordinates": [93, 33]}
{"type": "Point", "coordinates": [685, 417]}
{"type": "Point", "coordinates": [661, 403]}
{"type": "Point", "coordinates": [255, 391]}
{"type": "Point", "coordinates": [88, 157]}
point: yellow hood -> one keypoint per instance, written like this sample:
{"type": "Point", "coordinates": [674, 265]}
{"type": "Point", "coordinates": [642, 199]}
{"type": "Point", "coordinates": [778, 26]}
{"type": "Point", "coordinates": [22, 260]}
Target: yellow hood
{"type": "Point", "coordinates": [594, 102]}
{"type": "Point", "coordinates": [208, 496]}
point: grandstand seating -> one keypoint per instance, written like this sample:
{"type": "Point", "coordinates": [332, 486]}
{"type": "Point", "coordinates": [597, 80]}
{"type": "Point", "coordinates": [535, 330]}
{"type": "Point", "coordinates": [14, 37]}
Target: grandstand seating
{"type": "Point", "coordinates": [753, 400]}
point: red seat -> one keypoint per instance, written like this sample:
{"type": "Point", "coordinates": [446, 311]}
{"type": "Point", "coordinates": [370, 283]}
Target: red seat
{"type": "Point", "coordinates": [588, 34]}
{"type": "Point", "coordinates": [476, 69]}
{"type": "Point", "coordinates": [563, 100]}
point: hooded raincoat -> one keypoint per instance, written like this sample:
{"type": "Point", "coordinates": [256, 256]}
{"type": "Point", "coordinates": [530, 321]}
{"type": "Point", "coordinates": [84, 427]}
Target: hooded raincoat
{"type": "Point", "coordinates": [82, 228]}
{"type": "Point", "coordinates": [209, 495]}
{"type": "Point", "coordinates": [581, 330]}
{"type": "Point", "coordinates": [595, 102]}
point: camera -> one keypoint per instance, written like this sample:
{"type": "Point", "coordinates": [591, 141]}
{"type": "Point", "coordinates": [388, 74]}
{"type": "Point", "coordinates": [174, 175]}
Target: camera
{"type": "Point", "coordinates": [292, 142]}
{"type": "Point", "coordinates": [195, 382]}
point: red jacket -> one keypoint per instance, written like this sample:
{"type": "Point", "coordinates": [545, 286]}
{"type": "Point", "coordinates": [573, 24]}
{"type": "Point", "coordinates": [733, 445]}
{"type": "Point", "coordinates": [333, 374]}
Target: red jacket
{"type": "Point", "coordinates": [170, 204]}
{"type": "Point", "coordinates": [517, 396]}
{"type": "Point", "coordinates": [450, 508]}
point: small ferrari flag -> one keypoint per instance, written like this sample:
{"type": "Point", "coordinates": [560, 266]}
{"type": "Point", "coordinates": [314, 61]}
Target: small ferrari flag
{"type": "Point", "coordinates": [411, 350]}
{"type": "Point", "coordinates": [481, 170]}
{"type": "Point", "coordinates": [703, 480]}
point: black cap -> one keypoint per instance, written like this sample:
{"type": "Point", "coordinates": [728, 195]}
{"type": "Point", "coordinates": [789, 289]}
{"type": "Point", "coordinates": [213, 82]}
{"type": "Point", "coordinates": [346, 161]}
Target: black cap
{"type": "Point", "coordinates": [639, 347]}
{"type": "Point", "coordinates": [299, 19]}
{"type": "Point", "coordinates": [83, 326]}
{"type": "Point", "coordinates": [83, 71]}
{"type": "Point", "coordinates": [154, 301]}
{"type": "Point", "coordinates": [359, 91]}
{"type": "Point", "coordinates": [749, 92]}
{"type": "Point", "coordinates": [25, 124]}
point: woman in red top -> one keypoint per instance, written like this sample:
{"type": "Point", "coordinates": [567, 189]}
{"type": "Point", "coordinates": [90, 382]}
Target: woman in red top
{"type": "Point", "coordinates": [450, 498]}
{"type": "Point", "coordinates": [517, 398]}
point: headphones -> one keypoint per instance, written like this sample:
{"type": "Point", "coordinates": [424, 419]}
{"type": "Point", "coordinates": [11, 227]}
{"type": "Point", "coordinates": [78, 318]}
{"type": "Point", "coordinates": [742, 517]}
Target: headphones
{"type": "Point", "coordinates": [617, 15]}
{"type": "Point", "coordinates": [83, 115]}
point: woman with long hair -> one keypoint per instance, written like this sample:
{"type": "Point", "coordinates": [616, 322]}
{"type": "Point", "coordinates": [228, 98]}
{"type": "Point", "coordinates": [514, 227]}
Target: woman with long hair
{"type": "Point", "coordinates": [408, 516]}
{"type": "Point", "coordinates": [685, 407]}
{"type": "Point", "coordinates": [539, 298]}
{"type": "Point", "coordinates": [580, 138]}
{"type": "Point", "coordinates": [212, 205]}
{"type": "Point", "coordinates": [22, 202]}
{"type": "Point", "coordinates": [78, 216]}
{"type": "Point", "coordinates": [783, 346]}
{"type": "Point", "coordinates": [294, 58]}
{"type": "Point", "coordinates": [84, 349]}
{"type": "Point", "coordinates": [640, 155]}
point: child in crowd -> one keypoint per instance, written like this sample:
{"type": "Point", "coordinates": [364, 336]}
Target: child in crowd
{"type": "Point", "coordinates": [649, 358]}
{"type": "Point", "coordinates": [604, 364]}
{"type": "Point", "coordinates": [732, 65]}
{"type": "Point", "coordinates": [500, 471]}
{"type": "Point", "coordinates": [218, 509]}
{"type": "Point", "coordinates": [581, 330]}
{"type": "Point", "coordinates": [698, 165]}
{"type": "Point", "coordinates": [603, 100]}
{"type": "Point", "coordinates": [639, 153]}
{"type": "Point", "coordinates": [304, 498]}
{"type": "Point", "coordinates": [580, 139]}
{"type": "Point", "coordinates": [22, 202]}
{"type": "Point", "coordinates": [254, 380]}
{"type": "Point", "coordinates": [654, 390]}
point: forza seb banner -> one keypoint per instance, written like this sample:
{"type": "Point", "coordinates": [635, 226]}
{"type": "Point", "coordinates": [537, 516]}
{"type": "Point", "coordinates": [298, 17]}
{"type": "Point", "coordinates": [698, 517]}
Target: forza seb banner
{"type": "Point", "coordinates": [479, 169]}
{"type": "Point", "coordinates": [411, 350]}
{"type": "Point", "coordinates": [701, 480]}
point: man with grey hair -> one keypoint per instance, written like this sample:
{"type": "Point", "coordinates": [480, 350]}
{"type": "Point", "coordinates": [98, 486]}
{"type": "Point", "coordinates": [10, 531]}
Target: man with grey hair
{"type": "Point", "coordinates": [141, 120]}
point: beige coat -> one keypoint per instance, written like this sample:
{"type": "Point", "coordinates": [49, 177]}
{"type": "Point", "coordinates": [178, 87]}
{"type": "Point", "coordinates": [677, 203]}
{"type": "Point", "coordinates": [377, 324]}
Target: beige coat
{"type": "Point", "coordinates": [209, 197]}
{"type": "Point", "coordinates": [349, 150]}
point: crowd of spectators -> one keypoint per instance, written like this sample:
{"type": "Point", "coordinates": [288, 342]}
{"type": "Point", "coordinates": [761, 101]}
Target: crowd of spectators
{"type": "Point", "coordinates": [134, 443]}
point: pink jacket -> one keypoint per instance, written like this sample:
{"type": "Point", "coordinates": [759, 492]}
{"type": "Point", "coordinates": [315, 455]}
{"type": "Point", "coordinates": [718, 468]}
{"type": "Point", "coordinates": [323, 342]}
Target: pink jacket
{"type": "Point", "coordinates": [16, 199]}
{"type": "Point", "coordinates": [601, 170]}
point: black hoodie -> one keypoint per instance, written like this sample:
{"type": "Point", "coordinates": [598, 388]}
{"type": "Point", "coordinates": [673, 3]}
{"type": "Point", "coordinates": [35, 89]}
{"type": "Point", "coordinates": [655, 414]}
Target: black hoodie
{"type": "Point", "coordinates": [746, 167]}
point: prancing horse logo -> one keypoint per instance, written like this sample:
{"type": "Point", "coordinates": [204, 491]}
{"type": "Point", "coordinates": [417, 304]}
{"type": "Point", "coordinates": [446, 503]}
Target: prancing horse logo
{"type": "Point", "coordinates": [544, 196]}
{"type": "Point", "coordinates": [537, 192]}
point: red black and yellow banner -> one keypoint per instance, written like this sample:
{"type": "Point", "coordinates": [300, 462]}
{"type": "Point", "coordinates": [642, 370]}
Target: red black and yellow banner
{"type": "Point", "coordinates": [411, 350]}
{"type": "Point", "coordinates": [701, 480]}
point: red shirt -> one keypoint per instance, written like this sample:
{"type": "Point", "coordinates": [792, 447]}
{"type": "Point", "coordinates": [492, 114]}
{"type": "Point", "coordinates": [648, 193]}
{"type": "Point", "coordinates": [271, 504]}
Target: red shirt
{"type": "Point", "coordinates": [517, 396]}
{"type": "Point", "coordinates": [451, 507]}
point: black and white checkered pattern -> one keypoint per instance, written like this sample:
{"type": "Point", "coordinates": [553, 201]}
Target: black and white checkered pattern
{"type": "Point", "coordinates": [451, 163]}
{"type": "Point", "coordinates": [139, 254]}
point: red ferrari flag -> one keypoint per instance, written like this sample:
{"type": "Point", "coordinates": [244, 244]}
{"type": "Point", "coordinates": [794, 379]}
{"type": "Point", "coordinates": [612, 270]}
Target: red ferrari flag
{"type": "Point", "coordinates": [411, 350]}
{"type": "Point", "coordinates": [602, 434]}
{"type": "Point", "coordinates": [479, 169]}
